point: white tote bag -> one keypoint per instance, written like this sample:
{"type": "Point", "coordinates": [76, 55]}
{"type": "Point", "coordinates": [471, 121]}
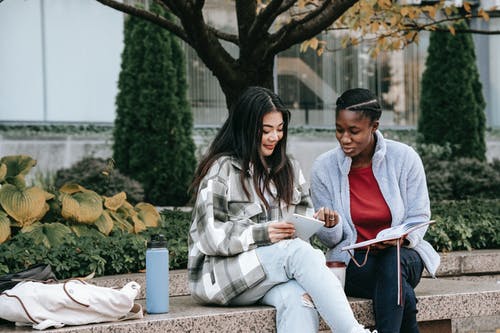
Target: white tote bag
{"type": "Point", "coordinates": [73, 302]}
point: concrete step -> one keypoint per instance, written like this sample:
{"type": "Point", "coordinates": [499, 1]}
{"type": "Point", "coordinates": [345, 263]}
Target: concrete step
{"type": "Point", "coordinates": [440, 301]}
{"type": "Point", "coordinates": [463, 263]}
{"type": "Point", "coordinates": [477, 265]}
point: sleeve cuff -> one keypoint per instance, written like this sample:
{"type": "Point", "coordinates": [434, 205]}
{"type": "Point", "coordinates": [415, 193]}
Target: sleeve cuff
{"type": "Point", "coordinates": [412, 239]}
{"type": "Point", "coordinates": [260, 233]}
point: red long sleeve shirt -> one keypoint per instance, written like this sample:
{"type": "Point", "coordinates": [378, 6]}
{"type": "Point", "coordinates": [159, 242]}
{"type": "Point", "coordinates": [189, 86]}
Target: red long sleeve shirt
{"type": "Point", "coordinates": [369, 211]}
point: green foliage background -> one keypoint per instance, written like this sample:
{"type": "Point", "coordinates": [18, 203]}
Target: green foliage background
{"type": "Point", "coordinates": [118, 253]}
{"type": "Point", "coordinates": [153, 126]}
{"type": "Point", "coordinates": [452, 103]}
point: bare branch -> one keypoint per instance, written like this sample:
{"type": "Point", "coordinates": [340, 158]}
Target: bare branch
{"type": "Point", "coordinates": [309, 26]}
{"type": "Point", "coordinates": [266, 17]}
{"type": "Point", "coordinates": [147, 15]}
{"type": "Point", "coordinates": [224, 36]}
{"type": "Point", "coordinates": [436, 27]}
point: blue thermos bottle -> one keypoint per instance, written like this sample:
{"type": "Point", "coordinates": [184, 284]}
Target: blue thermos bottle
{"type": "Point", "coordinates": [157, 275]}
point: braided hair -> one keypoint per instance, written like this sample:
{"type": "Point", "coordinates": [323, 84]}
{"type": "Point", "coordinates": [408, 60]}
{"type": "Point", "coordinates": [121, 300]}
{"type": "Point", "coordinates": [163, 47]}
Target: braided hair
{"type": "Point", "coordinates": [362, 100]}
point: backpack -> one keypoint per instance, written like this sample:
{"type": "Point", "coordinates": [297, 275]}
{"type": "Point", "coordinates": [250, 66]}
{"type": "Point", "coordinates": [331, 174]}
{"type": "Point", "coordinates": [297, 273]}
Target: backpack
{"type": "Point", "coordinates": [38, 272]}
{"type": "Point", "coordinates": [73, 302]}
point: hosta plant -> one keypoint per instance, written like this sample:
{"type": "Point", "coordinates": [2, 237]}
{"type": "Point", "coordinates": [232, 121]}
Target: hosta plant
{"type": "Point", "coordinates": [71, 209]}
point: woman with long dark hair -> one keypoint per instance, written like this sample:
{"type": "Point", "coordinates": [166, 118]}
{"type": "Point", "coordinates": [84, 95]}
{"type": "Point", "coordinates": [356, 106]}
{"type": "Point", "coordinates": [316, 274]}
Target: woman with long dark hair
{"type": "Point", "coordinates": [241, 249]}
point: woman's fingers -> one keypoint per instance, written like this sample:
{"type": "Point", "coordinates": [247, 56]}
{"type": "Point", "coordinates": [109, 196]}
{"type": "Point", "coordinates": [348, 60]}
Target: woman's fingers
{"type": "Point", "coordinates": [327, 215]}
{"type": "Point", "coordinates": [280, 230]}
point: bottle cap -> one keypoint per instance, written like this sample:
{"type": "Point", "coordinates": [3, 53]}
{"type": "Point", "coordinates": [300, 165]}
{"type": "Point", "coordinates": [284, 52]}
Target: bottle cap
{"type": "Point", "coordinates": [157, 241]}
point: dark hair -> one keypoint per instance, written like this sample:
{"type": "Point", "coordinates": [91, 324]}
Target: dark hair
{"type": "Point", "coordinates": [241, 136]}
{"type": "Point", "coordinates": [359, 99]}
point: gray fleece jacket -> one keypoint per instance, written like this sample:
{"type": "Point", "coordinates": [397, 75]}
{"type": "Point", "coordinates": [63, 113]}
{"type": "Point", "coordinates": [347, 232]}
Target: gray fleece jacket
{"type": "Point", "coordinates": [400, 174]}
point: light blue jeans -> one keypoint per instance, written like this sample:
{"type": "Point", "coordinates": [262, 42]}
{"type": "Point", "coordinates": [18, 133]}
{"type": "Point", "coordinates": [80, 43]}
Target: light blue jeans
{"type": "Point", "coordinates": [293, 269]}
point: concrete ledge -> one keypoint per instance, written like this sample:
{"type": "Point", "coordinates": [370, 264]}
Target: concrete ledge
{"type": "Point", "coordinates": [439, 302]}
{"type": "Point", "coordinates": [476, 262]}
{"type": "Point", "coordinates": [480, 265]}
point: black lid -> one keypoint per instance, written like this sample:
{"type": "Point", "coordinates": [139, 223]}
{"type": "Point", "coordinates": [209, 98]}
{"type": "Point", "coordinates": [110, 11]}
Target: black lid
{"type": "Point", "coordinates": [157, 241]}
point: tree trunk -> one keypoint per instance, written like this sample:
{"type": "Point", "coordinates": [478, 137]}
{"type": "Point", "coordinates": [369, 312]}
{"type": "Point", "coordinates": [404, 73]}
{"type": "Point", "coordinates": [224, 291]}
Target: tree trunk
{"type": "Point", "coordinates": [252, 73]}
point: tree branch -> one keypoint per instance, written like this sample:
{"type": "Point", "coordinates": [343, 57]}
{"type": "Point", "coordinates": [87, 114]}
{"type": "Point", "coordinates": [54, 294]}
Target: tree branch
{"type": "Point", "coordinates": [266, 17]}
{"type": "Point", "coordinates": [154, 18]}
{"type": "Point", "coordinates": [435, 24]}
{"type": "Point", "coordinates": [246, 12]}
{"type": "Point", "coordinates": [309, 26]}
{"type": "Point", "coordinates": [192, 30]}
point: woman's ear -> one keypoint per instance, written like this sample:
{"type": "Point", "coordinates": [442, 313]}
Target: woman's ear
{"type": "Point", "coordinates": [375, 125]}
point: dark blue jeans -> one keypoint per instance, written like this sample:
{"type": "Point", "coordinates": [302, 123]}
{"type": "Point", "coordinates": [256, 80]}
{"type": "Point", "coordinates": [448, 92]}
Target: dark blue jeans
{"type": "Point", "coordinates": [377, 280]}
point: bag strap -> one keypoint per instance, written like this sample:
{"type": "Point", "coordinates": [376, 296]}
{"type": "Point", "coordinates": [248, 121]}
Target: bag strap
{"type": "Point", "coordinates": [69, 294]}
{"type": "Point", "coordinates": [22, 305]}
{"type": "Point", "coordinates": [364, 261]}
{"type": "Point", "coordinates": [135, 313]}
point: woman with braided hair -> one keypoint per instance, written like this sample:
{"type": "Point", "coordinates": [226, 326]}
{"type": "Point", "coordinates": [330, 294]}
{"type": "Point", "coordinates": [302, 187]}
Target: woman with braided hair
{"type": "Point", "coordinates": [372, 183]}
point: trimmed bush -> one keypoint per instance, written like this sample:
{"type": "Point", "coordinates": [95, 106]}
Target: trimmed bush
{"type": "Point", "coordinates": [98, 175]}
{"type": "Point", "coordinates": [153, 127]}
{"type": "Point", "coordinates": [452, 103]}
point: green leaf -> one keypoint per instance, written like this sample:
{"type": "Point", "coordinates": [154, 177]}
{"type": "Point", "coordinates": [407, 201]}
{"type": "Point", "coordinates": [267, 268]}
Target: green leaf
{"type": "Point", "coordinates": [104, 223]}
{"type": "Point", "coordinates": [49, 234]}
{"type": "Point", "coordinates": [4, 227]}
{"type": "Point", "coordinates": [18, 164]}
{"type": "Point", "coordinates": [23, 205]}
{"type": "Point", "coordinates": [83, 207]}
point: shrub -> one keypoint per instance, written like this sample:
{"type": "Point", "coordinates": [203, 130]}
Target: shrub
{"type": "Point", "coordinates": [460, 178]}
{"type": "Point", "coordinates": [92, 252]}
{"type": "Point", "coordinates": [99, 175]}
{"type": "Point", "coordinates": [53, 219]}
{"type": "Point", "coordinates": [465, 225]}
{"type": "Point", "coordinates": [452, 103]}
{"type": "Point", "coordinates": [153, 126]}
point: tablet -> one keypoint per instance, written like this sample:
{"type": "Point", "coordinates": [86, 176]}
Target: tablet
{"type": "Point", "coordinates": [305, 226]}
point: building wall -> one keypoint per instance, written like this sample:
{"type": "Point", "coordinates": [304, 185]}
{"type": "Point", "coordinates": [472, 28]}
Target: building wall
{"type": "Point", "coordinates": [60, 61]}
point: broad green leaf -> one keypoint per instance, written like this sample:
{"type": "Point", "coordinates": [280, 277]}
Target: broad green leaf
{"type": "Point", "coordinates": [115, 202]}
{"type": "Point", "coordinates": [104, 223]}
{"type": "Point", "coordinates": [3, 171]}
{"type": "Point", "coordinates": [50, 234]}
{"type": "Point", "coordinates": [85, 230]}
{"type": "Point", "coordinates": [148, 214]}
{"type": "Point", "coordinates": [83, 207]}
{"type": "Point", "coordinates": [121, 223]}
{"type": "Point", "coordinates": [126, 210]}
{"type": "Point", "coordinates": [70, 188]}
{"type": "Point", "coordinates": [138, 224]}
{"type": "Point", "coordinates": [18, 164]}
{"type": "Point", "coordinates": [4, 227]}
{"type": "Point", "coordinates": [25, 206]}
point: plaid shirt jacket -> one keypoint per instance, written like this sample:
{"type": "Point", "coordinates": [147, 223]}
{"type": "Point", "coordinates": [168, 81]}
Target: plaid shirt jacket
{"type": "Point", "coordinates": [227, 227]}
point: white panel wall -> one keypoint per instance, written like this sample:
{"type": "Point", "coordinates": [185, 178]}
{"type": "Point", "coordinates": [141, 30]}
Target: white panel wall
{"type": "Point", "coordinates": [82, 44]}
{"type": "Point", "coordinates": [21, 82]}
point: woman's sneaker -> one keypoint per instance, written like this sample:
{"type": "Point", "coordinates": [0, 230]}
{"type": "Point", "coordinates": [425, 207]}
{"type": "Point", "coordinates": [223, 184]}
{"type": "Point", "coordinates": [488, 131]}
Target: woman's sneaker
{"type": "Point", "coordinates": [361, 329]}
